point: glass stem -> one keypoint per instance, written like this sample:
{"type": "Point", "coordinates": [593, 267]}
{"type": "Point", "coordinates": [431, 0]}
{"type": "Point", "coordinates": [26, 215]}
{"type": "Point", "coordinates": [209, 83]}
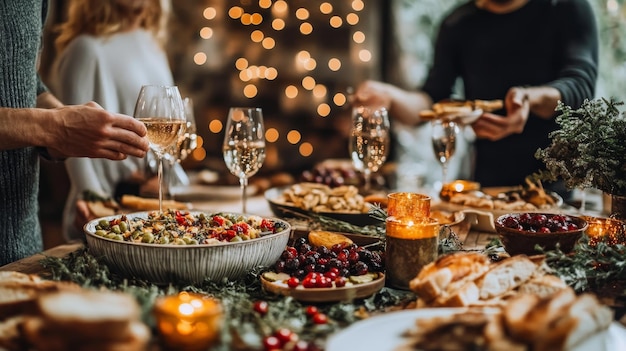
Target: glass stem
{"type": "Point", "coordinates": [160, 180]}
{"type": "Point", "coordinates": [444, 171]}
{"type": "Point", "coordinates": [367, 175]}
{"type": "Point", "coordinates": [244, 184]}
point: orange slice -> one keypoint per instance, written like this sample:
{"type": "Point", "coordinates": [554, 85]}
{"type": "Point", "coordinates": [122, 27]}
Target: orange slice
{"type": "Point", "coordinates": [328, 239]}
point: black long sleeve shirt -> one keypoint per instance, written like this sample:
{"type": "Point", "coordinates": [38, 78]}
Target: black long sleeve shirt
{"type": "Point", "coordinates": [544, 43]}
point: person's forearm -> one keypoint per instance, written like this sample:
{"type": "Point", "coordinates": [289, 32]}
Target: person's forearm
{"type": "Point", "coordinates": [22, 127]}
{"type": "Point", "coordinates": [543, 100]}
{"type": "Point", "coordinates": [406, 105]}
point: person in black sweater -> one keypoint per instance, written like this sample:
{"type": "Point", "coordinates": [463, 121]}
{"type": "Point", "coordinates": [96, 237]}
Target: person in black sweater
{"type": "Point", "coordinates": [34, 123]}
{"type": "Point", "coordinates": [529, 53]}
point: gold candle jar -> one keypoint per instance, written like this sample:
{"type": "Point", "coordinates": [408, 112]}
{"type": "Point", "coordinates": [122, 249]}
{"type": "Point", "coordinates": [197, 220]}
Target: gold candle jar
{"type": "Point", "coordinates": [411, 238]}
{"type": "Point", "coordinates": [610, 230]}
{"type": "Point", "coordinates": [448, 190]}
{"type": "Point", "coordinates": [188, 321]}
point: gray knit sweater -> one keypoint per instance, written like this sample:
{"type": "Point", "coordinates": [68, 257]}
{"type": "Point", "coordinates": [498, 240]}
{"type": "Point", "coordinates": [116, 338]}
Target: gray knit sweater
{"type": "Point", "coordinates": [21, 23]}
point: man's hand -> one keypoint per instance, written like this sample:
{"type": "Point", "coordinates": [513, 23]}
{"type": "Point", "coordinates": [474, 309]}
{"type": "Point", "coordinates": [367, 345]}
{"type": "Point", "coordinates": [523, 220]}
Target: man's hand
{"type": "Point", "coordinates": [90, 131]}
{"type": "Point", "coordinates": [372, 93]}
{"type": "Point", "coordinates": [495, 127]}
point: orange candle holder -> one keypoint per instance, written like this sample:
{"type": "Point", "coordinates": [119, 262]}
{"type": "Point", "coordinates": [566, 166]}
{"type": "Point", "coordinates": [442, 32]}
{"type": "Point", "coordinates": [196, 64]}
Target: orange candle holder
{"type": "Point", "coordinates": [610, 230]}
{"type": "Point", "coordinates": [410, 244]}
{"type": "Point", "coordinates": [188, 321]}
{"type": "Point", "coordinates": [448, 190]}
{"type": "Point", "coordinates": [408, 205]}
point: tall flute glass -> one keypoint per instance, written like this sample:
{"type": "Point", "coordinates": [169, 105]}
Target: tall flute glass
{"type": "Point", "coordinates": [369, 140]}
{"type": "Point", "coordinates": [444, 135]}
{"type": "Point", "coordinates": [244, 145]}
{"type": "Point", "coordinates": [161, 109]}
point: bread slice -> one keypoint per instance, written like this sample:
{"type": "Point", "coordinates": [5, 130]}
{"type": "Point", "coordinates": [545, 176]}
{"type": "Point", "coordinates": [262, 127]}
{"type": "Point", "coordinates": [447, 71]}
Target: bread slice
{"type": "Point", "coordinates": [543, 285]}
{"type": "Point", "coordinates": [467, 294]}
{"type": "Point", "coordinates": [505, 276]}
{"type": "Point", "coordinates": [96, 315]}
{"type": "Point", "coordinates": [17, 300]}
{"type": "Point", "coordinates": [10, 334]}
{"type": "Point", "coordinates": [448, 273]}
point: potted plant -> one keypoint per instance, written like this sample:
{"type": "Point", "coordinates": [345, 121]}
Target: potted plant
{"type": "Point", "coordinates": [589, 150]}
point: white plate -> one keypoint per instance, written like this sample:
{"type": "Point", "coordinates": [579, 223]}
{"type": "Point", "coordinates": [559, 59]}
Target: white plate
{"type": "Point", "coordinates": [385, 332]}
{"type": "Point", "coordinates": [206, 192]}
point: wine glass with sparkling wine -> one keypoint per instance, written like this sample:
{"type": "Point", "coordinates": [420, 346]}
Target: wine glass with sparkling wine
{"type": "Point", "coordinates": [161, 109]}
{"type": "Point", "coordinates": [244, 145]}
{"type": "Point", "coordinates": [444, 135]}
{"type": "Point", "coordinates": [369, 140]}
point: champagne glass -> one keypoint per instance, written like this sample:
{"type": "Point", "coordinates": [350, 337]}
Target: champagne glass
{"type": "Point", "coordinates": [161, 109]}
{"type": "Point", "coordinates": [244, 145]}
{"type": "Point", "coordinates": [369, 140]}
{"type": "Point", "coordinates": [444, 135]}
{"type": "Point", "coordinates": [179, 151]}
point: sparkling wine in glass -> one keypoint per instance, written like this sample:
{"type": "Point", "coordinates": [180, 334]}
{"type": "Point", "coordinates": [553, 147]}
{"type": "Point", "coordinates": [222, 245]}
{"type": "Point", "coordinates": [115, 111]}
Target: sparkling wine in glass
{"type": "Point", "coordinates": [369, 140]}
{"type": "Point", "coordinates": [244, 145]}
{"type": "Point", "coordinates": [161, 109]}
{"type": "Point", "coordinates": [444, 136]}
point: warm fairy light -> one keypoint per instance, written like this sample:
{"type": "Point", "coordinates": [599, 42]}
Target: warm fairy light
{"type": "Point", "coordinates": [281, 6]}
{"type": "Point", "coordinates": [268, 43]}
{"type": "Point", "coordinates": [278, 24]}
{"type": "Point", "coordinates": [334, 64]}
{"type": "Point", "coordinates": [291, 91]}
{"type": "Point", "coordinates": [357, 5]}
{"type": "Point", "coordinates": [256, 19]}
{"type": "Point", "coordinates": [246, 19]}
{"type": "Point", "coordinates": [209, 13]}
{"type": "Point", "coordinates": [271, 73]}
{"type": "Point", "coordinates": [271, 135]}
{"type": "Point", "coordinates": [294, 136]}
{"type": "Point", "coordinates": [253, 71]}
{"type": "Point", "coordinates": [245, 75]}
{"type": "Point", "coordinates": [310, 64]}
{"type": "Point", "coordinates": [199, 58]}
{"type": "Point", "coordinates": [235, 12]}
{"type": "Point", "coordinates": [339, 99]}
{"type": "Point", "coordinates": [365, 55]}
{"type": "Point", "coordinates": [241, 63]}
{"type": "Point", "coordinates": [262, 70]}
{"type": "Point", "coordinates": [302, 13]}
{"type": "Point", "coordinates": [323, 109]}
{"type": "Point", "coordinates": [352, 18]}
{"type": "Point", "coordinates": [257, 36]}
{"type": "Point", "coordinates": [308, 83]}
{"type": "Point", "coordinates": [206, 33]}
{"type": "Point", "coordinates": [320, 91]}
{"type": "Point", "coordinates": [306, 28]}
{"type": "Point", "coordinates": [358, 37]}
{"type": "Point", "coordinates": [265, 4]}
{"type": "Point", "coordinates": [198, 154]}
{"type": "Point", "coordinates": [335, 21]}
{"type": "Point", "coordinates": [303, 56]}
{"type": "Point", "coordinates": [250, 91]}
{"type": "Point", "coordinates": [306, 149]}
{"type": "Point", "coordinates": [215, 126]}
{"type": "Point", "coordinates": [326, 8]}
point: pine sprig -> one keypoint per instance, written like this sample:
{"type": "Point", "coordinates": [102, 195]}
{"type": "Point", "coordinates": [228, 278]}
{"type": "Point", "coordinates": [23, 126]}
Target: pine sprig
{"type": "Point", "coordinates": [588, 149]}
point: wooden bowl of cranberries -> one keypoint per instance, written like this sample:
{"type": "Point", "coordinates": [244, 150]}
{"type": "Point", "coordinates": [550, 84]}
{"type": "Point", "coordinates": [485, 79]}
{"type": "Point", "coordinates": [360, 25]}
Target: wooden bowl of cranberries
{"type": "Point", "coordinates": [522, 233]}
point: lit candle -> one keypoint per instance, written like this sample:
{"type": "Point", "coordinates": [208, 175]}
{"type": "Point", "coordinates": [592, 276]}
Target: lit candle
{"type": "Point", "coordinates": [411, 237]}
{"type": "Point", "coordinates": [188, 321]}
{"type": "Point", "coordinates": [612, 231]}
{"type": "Point", "coordinates": [457, 187]}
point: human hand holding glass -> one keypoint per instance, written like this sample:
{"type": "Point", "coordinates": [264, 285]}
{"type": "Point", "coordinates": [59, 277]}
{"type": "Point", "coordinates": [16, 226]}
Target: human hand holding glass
{"type": "Point", "coordinates": [244, 145]}
{"type": "Point", "coordinates": [161, 109]}
{"type": "Point", "coordinates": [444, 135]}
{"type": "Point", "coordinates": [369, 140]}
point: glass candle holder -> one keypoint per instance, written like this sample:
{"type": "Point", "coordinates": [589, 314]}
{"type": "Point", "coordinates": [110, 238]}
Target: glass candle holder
{"type": "Point", "coordinates": [448, 190]}
{"type": "Point", "coordinates": [408, 205]}
{"type": "Point", "coordinates": [410, 244]}
{"type": "Point", "coordinates": [609, 230]}
{"type": "Point", "coordinates": [188, 321]}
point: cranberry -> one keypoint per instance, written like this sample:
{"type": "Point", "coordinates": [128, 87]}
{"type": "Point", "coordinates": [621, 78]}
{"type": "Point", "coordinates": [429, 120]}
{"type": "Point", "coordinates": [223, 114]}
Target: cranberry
{"type": "Point", "coordinates": [261, 307]}
{"type": "Point", "coordinates": [311, 311]}
{"type": "Point", "coordinates": [320, 318]}
{"type": "Point", "coordinates": [272, 343]}
{"type": "Point", "coordinates": [301, 345]}
{"type": "Point", "coordinates": [544, 230]}
{"type": "Point", "coordinates": [538, 220]}
{"type": "Point", "coordinates": [293, 282]}
{"type": "Point", "coordinates": [510, 222]}
{"type": "Point", "coordinates": [285, 335]}
{"type": "Point", "coordinates": [340, 282]}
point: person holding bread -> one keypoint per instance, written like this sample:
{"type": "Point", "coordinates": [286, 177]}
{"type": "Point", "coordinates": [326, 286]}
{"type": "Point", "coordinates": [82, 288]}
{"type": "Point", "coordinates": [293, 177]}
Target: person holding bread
{"type": "Point", "coordinates": [531, 54]}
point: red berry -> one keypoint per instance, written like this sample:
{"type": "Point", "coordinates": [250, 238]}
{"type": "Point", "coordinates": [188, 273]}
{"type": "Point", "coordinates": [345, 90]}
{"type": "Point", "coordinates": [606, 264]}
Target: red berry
{"type": "Point", "coordinates": [301, 345]}
{"type": "Point", "coordinates": [272, 343]}
{"type": "Point", "coordinates": [285, 335]}
{"type": "Point", "coordinates": [544, 230]}
{"type": "Point", "coordinates": [293, 282]}
{"type": "Point", "coordinates": [311, 311]}
{"type": "Point", "coordinates": [320, 318]}
{"type": "Point", "coordinates": [261, 307]}
{"type": "Point", "coordinates": [340, 282]}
